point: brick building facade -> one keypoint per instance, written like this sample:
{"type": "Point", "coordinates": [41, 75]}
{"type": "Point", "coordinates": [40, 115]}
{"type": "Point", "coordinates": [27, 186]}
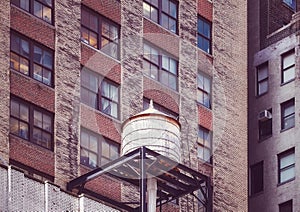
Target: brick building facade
{"type": "Point", "coordinates": [273, 105]}
{"type": "Point", "coordinates": [73, 71]}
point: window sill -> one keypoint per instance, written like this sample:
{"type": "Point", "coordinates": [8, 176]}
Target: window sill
{"type": "Point", "coordinates": [35, 145]}
{"type": "Point", "coordinates": [204, 52]}
{"type": "Point", "coordinates": [99, 51]}
{"type": "Point", "coordinates": [283, 130]}
{"type": "Point", "coordinates": [202, 105]}
{"type": "Point", "coordinates": [260, 95]}
{"type": "Point", "coordinates": [39, 83]}
{"type": "Point", "coordinates": [263, 139]}
{"type": "Point", "coordinates": [51, 25]}
{"type": "Point", "coordinates": [160, 26]}
{"type": "Point", "coordinates": [205, 162]}
{"type": "Point", "coordinates": [101, 113]}
{"type": "Point", "coordinates": [287, 82]}
{"type": "Point", "coordinates": [161, 84]}
{"type": "Point", "coordinates": [285, 182]}
{"type": "Point", "coordinates": [256, 194]}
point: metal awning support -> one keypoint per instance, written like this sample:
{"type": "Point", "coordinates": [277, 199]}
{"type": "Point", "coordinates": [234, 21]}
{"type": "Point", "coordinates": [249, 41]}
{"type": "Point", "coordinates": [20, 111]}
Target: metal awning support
{"type": "Point", "coordinates": [173, 180]}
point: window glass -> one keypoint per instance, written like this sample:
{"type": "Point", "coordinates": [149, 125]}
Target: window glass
{"type": "Point", "coordinates": [204, 37]}
{"type": "Point", "coordinates": [286, 166]}
{"type": "Point", "coordinates": [100, 33]}
{"type": "Point", "coordinates": [38, 9]}
{"type": "Point", "coordinates": [257, 178]}
{"type": "Point", "coordinates": [38, 124]}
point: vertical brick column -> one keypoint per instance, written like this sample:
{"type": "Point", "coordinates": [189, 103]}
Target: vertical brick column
{"type": "Point", "coordinates": [230, 105]}
{"type": "Point", "coordinates": [131, 57]}
{"type": "Point", "coordinates": [131, 62]}
{"type": "Point", "coordinates": [187, 86]}
{"type": "Point", "coordinates": [4, 80]}
{"type": "Point", "coordinates": [67, 90]}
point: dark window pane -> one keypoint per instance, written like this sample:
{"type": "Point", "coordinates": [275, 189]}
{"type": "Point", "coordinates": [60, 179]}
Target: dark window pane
{"type": "Point", "coordinates": [173, 10]}
{"type": "Point", "coordinates": [257, 178]}
{"type": "Point", "coordinates": [24, 4]}
{"type": "Point", "coordinates": [38, 9]}
{"type": "Point", "coordinates": [286, 206]}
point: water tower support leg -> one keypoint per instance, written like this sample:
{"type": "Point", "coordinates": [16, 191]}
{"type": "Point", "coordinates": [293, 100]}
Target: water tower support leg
{"type": "Point", "coordinates": [143, 187]}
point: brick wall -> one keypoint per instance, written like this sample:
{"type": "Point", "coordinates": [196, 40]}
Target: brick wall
{"type": "Point", "coordinates": [100, 123]}
{"type": "Point", "coordinates": [4, 81]}
{"type": "Point", "coordinates": [205, 117]}
{"type": "Point", "coordinates": [205, 9]}
{"type": "Point", "coordinates": [32, 91]}
{"type": "Point", "coordinates": [67, 95]}
{"type": "Point", "coordinates": [230, 106]}
{"type": "Point", "coordinates": [105, 8]}
{"type": "Point", "coordinates": [32, 27]}
{"type": "Point", "coordinates": [31, 155]}
{"type": "Point", "coordinates": [100, 63]}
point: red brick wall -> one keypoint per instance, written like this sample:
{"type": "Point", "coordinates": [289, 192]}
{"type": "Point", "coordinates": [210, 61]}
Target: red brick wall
{"type": "Point", "coordinates": [205, 9]}
{"type": "Point", "coordinates": [161, 37]}
{"type": "Point", "coordinates": [100, 63]}
{"type": "Point", "coordinates": [31, 155]}
{"type": "Point", "coordinates": [103, 185]}
{"type": "Point", "coordinates": [99, 123]}
{"type": "Point", "coordinates": [161, 95]}
{"type": "Point", "coordinates": [32, 27]}
{"type": "Point", "coordinates": [32, 91]}
{"type": "Point", "coordinates": [205, 117]}
{"type": "Point", "coordinates": [109, 8]}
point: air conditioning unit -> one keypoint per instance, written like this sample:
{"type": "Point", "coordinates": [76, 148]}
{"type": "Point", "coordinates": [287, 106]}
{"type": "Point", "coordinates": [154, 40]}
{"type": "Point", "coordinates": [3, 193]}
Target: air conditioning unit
{"type": "Point", "coordinates": [264, 115]}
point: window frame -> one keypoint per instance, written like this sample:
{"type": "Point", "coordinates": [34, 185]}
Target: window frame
{"type": "Point", "coordinates": [284, 204]}
{"type": "Point", "coordinates": [260, 81]}
{"type": "Point", "coordinates": [202, 144]}
{"type": "Point", "coordinates": [254, 177]}
{"type": "Point", "coordinates": [159, 65]}
{"type": "Point", "coordinates": [30, 122]}
{"type": "Point", "coordinates": [283, 70]}
{"type": "Point", "coordinates": [203, 36]}
{"type": "Point", "coordinates": [284, 106]}
{"type": "Point", "coordinates": [263, 124]}
{"type": "Point", "coordinates": [161, 12]}
{"type": "Point", "coordinates": [100, 80]}
{"type": "Point", "coordinates": [99, 33]}
{"type": "Point", "coordinates": [31, 58]}
{"type": "Point", "coordinates": [31, 8]}
{"type": "Point", "coordinates": [99, 155]}
{"type": "Point", "coordinates": [292, 6]}
{"type": "Point", "coordinates": [202, 90]}
{"type": "Point", "coordinates": [280, 156]}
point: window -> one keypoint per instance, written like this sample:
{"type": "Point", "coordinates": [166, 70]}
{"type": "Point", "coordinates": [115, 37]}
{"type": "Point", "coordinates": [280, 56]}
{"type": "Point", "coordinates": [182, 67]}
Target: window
{"type": "Point", "coordinates": [163, 12]}
{"type": "Point", "coordinates": [286, 166]}
{"type": "Point", "coordinates": [97, 150]}
{"type": "Point", "coordinates": [202, 198]}
{"type": "Point", "coordinates": [160, 66]}
{"type": "Point", "coordinates": [204, 145]}
{"type": "Point", "coordinates": [160, 108]}
{"type": "Point", "coordinates": [262, 79]}
{"type": "Point", "coordinates": [286, 206]}
{"type": "Point", "coordinates": [265, 125]}
{"type": "Point", "coordinates": [257, 177]}
{"type": "Point", "coordinates": [204, 35]}
{"type": "Point", "coordinates": [100, 33]}
{"type": "Point", "coordinates": [288, 114]}
{"type": "Point", "coordinates": [99, 93]}
{"type": "Point", "coordinates": [32, 59]}
{"type": "Point", "coordinates": [204, 87]}
{"type": "Point", "coordinates": [291, 3]}
{"type": "Point", "coordinates": [31, 123]}
{"type": "Point", "coordinates": [288, 67]}
{"type": "Point", "coordinates": [42, 9]}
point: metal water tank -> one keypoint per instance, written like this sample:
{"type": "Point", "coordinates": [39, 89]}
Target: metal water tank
{"type": "Point", "coordinates": [154, 130]}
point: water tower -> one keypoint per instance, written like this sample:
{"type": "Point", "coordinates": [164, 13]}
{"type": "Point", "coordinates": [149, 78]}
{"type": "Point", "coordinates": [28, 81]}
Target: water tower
{"type": "Point", "coordinates": [156, 131]}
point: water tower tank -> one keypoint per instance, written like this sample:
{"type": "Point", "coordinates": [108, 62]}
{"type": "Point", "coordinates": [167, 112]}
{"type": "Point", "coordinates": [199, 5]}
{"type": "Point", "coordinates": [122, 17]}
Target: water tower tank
{"type": "Point", "coordinates": [154, 130]}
